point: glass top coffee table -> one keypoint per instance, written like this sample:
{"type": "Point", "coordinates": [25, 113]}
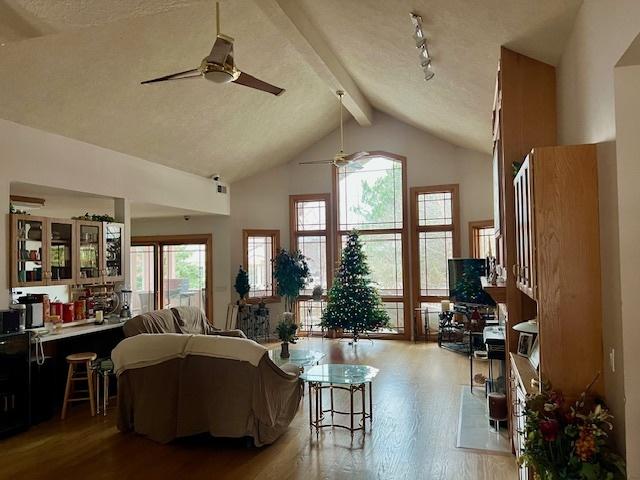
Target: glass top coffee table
{"type": "Point", "coordinates": [351, 378]}
{"type": "Point", "coordinates": [301, 357]}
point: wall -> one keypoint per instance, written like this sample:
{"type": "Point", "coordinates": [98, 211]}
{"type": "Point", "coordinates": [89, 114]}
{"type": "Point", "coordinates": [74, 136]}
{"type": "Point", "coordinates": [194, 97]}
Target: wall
{"type": "Point", "coordinates": [627, 81]}
{"type": "Point", "coordinates": [586, 114]}
{"type": "Point", "coordinates": [262, 201]}
{"type": "Point", "coordinates": [218, 226]}
{"type": "Point", "coordinates": [35, 157]}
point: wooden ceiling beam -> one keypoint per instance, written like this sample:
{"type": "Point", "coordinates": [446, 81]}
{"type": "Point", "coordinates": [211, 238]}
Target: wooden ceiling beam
{"type": "Point", "coordinates": [287, 16]}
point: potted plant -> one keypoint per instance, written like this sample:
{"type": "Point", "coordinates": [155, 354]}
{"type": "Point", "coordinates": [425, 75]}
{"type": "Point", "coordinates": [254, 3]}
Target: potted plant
{"type": "Point", "coordinates": [569, 440]}
{"type": "Point", "coordinates": [242, 285]}
{"type": "Point", "coordinates": [291, 273]}
{"type": "Point", "coordinates": [286, 330]}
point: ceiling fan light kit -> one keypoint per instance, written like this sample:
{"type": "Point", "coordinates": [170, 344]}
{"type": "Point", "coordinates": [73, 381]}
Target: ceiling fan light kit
{"type": "Point", "coordinates": [421, 45]}
{"type": "Point", "coordinates": [219, 66]}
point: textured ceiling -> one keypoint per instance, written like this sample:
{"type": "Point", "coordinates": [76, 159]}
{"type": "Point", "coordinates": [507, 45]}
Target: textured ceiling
{"type": "Point", "coordinates": [373, 40]}
{"type": "Point", "coordinates": [73, 67]}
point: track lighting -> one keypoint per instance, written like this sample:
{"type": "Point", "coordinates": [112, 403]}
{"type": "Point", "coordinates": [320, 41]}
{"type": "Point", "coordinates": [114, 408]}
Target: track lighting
{"type": "Point", "coordinates": [421, 45]}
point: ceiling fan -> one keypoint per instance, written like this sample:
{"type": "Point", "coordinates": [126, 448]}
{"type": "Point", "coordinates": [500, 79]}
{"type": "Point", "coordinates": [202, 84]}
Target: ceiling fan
{"type": "Point", "coordinates": [219, 66]}
{"type": "Point", "coordinates": [341, 159]}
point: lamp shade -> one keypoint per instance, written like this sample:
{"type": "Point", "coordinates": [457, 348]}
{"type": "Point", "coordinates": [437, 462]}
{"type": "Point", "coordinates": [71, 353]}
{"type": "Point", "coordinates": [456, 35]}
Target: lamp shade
{"type": "Point", "coordinates": [530, 326]}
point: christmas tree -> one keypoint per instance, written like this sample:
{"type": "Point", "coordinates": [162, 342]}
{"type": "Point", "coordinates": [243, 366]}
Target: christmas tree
{"type": "Point", "coordinates": [354, 304]}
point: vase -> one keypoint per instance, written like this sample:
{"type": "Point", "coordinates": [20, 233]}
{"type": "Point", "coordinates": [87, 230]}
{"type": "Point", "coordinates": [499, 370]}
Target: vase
{"type": "Point", "coordinates": [284, 353]}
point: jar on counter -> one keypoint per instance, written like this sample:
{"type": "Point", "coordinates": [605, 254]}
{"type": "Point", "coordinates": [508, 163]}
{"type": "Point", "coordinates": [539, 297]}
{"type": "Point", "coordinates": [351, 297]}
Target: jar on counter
{"type": "Point", "coordinates": [79, 309]}
{"type": "Point", "coordinates": [68, 312]}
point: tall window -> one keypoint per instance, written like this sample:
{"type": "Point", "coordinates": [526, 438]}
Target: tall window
{"type": "Point", "coordinates": [310, 227]}
{"type": "Point", "coordinates": [370, 199]}
{"type": "Point", "coordinates": [436, 239]}
{"type": "Point", "coordinates": [260, 247]}
{"type": "Point", "coordinates": [482, 239]}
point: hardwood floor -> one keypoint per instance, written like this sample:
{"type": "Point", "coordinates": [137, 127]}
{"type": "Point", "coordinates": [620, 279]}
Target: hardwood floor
{"type": "Point", "coordinates": [416, 403]}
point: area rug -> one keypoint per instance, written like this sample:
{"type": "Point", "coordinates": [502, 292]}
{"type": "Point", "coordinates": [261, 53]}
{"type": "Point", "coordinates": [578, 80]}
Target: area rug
{"type": "Point", "coordinates": [474, 431]}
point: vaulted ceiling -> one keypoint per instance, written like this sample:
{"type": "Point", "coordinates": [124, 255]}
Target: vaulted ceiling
{"type": "Point", "coordinates": [74, 68]}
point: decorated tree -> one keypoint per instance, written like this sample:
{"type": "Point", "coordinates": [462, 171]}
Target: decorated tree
{"type": "Point", "coordinates": [354, 304]}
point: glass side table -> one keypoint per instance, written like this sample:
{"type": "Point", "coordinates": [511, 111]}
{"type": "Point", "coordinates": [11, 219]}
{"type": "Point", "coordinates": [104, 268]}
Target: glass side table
{"type": "Point", "coordinates": [351, 378]}
{"type": "Point", "coordinates": [301, 357]}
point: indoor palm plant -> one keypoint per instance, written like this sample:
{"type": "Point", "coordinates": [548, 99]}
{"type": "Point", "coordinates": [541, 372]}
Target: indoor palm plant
{"type": "Point", "coordinates": [241, 285]}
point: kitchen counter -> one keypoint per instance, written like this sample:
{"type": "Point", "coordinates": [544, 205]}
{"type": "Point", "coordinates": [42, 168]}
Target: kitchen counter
{"type": "Point", "coordinates": [85, 329]}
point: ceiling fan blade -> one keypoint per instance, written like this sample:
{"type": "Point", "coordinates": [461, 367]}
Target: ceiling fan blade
{"type": "Point", "coordinates": [174, 76]}
{"type": "Point", "coordinates": [356, 156]}
{"type": "Point", "coordinates": [252, 82]}
{"type": "Point", "coordinates": [222, 47]}
{"type": "Point", "coordinates": [317, 162]}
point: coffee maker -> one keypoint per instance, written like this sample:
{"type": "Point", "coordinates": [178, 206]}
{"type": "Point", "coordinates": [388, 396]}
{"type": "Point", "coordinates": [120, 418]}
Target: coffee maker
{"type": "Point", "coordinates": [34, 317]}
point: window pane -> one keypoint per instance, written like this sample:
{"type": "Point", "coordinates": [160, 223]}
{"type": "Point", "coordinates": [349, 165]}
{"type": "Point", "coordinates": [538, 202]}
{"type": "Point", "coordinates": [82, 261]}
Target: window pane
{"type": "Point", "coordinates": [395, 310]}
{"type": "Point", "coordinates": [260, 269]}
{"type": "Point", "coordinates": [435, 248]}
{"type": "Point", "coordinates": [384, 257]}
{"type": "Point", "coordinates": [370, 193]}
{"type": "Point", "coordinates": [315, 249]}
{"type": "Point", "coordinates": [485, 239]}
{"type": "Point", "coordinates": [435, 208]}
{"type": "Point", "coordinates": [143, 273]}
{"type": "Point", "coordinates": [184, 275]}
{"type": "Point", "coordinates": [311, 215]}
{"type": "Point", "coordinates": [309, 315]}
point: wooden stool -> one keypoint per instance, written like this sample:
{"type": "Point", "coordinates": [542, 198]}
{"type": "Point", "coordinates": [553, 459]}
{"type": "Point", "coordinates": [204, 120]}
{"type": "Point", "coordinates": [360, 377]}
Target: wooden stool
{"type": "Point", "coordinates": [73, 360]}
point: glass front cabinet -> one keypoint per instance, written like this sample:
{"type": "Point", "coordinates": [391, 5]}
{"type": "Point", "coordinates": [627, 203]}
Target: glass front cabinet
{"type": "Point", "coordinates": [49, 251]}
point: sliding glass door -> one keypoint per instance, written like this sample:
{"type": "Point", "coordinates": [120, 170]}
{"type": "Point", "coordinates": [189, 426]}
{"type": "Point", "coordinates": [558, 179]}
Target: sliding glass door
{"type": "Point", "coordinates": [171, 272]}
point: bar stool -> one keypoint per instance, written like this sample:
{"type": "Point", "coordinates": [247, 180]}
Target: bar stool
{"type": "Point", "coordinates": [73, 360]}
{"type": "Point", "coordinates": [103, 370]}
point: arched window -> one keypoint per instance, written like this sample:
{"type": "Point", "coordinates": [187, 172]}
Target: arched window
{"type": "Point", "coordinates": [370, 198]}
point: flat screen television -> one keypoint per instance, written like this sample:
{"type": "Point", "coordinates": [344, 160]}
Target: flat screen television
{"type": "Point", "coordinates": [464, 281]}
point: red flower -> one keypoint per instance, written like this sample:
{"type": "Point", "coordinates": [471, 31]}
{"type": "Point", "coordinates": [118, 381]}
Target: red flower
{"type": "Point", "coordinates": [549, 429]}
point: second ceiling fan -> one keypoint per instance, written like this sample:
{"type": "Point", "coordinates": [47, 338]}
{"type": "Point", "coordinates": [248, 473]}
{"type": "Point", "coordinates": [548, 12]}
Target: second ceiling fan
{"type": "Point", "coordinates": [219, 66]}
{"type": "Point", "coordinates": [341, 159]}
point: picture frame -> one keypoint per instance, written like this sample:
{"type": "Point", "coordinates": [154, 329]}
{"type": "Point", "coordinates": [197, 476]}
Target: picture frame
{"type": "Point", "coordinates": [525, 344]}
{"type": "Point", "coordinates": [534, 356]}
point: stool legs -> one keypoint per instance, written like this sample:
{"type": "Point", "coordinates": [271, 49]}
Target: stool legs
{"type": "Point", "coordinates": [67, 390]}
{"type": "Point", "coordinates": [92, 398]}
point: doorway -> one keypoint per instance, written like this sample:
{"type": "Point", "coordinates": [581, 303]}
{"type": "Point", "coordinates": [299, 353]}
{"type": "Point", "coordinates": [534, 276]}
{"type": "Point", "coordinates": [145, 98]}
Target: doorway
{"type": "Point", "coordinates": [172, 271]}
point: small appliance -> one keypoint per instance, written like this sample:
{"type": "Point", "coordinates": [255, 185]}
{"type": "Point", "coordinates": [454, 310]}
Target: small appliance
{"type": "Point", "coordinates": [9, 321]}
{"type": "Point", "coordinates": [34, 310]}
{"type": "Point", "coordinates": [125, 309]}
{"type": "Point", "coordinates": [22, 314]}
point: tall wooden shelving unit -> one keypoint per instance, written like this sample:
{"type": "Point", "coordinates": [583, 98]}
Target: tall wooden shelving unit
{"type": "Point", "coordinates": [547, 236]}
{"type": "Point", "coordinates": [524, 117]}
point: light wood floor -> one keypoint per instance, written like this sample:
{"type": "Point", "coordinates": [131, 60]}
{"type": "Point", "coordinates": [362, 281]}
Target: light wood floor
{"type": "Point", "coordinates": [416, 403]}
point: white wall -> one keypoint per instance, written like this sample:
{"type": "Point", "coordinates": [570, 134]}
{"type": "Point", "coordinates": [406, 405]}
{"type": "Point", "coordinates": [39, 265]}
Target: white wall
{"type": "Point", "coordinates": [32, 156]}
{"type": "Point", "coordinates": [603, 30]}
{"type": "Point", "coordinates": [627, 83]}
{"type": "Point", "coordinates": [262, 201]}
{"type": "Point", "coordinates": [218, 226]}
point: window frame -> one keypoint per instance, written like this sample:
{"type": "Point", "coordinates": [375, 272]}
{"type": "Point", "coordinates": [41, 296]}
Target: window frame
{"type": "Point", "coordinates": [158, 241]}
{"type": "Point", "coordinates": [295, 234]}
{"type": "Point", "coordinates": [275, 246]}
{"type": "Point", "coordinates": [454, 227]}
{"type": "Point", "coordinates": [405, 299]}
{"type": "Point", "coordinates": [474, 236]}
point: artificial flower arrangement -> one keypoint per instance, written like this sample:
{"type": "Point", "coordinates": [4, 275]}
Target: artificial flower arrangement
{"type": "Point", "coordinates": [566, 441]}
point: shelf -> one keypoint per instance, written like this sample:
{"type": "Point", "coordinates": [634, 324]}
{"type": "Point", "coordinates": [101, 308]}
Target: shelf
{"type": "Point", "coordinates": [498, 292]}
{"type": "Point", "coordinates": [524, 372]}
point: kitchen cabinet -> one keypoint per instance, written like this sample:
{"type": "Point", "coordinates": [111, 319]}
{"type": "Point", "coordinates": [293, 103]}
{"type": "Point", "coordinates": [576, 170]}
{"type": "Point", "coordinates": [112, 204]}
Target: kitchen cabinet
{"type": "Point", "coordinates": [524, 268]}
{"type": "Point", "coordinates": [53, 251]}
{"type": "Point", "coordinates": [14, 382]}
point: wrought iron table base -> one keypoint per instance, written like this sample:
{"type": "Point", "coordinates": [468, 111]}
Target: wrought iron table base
{"type": "Point", "coordinates": [317, 414]}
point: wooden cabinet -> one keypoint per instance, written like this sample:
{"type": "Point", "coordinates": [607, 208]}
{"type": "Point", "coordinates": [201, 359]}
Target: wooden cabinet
{"type": "Point", "coordinates": [524, 269]}
{"type": "Point", "coordinates": [558, 233]}
{"type": "Point", "coordinates": [52, 251]}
